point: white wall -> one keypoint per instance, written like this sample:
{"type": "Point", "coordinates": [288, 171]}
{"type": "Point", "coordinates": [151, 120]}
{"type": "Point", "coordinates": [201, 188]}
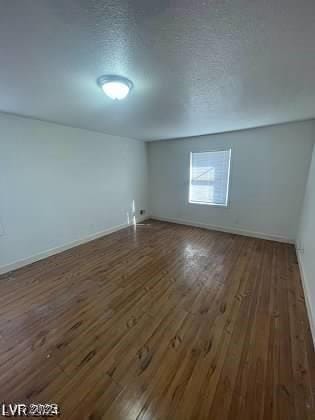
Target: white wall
{"type": "Point", "coordinates": [59, 185]}
{"type": "Point", "coordinates": [268, 174]}
{"type": "Point", "coordinates": [306, 244]}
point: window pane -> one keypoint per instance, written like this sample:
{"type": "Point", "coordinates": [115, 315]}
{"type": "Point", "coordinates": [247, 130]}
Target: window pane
{"type": "Point", "coordinates": [209, 177]}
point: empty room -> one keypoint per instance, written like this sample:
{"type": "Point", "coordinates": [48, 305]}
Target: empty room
{"type": "Point", "coordinates": [157, 209]}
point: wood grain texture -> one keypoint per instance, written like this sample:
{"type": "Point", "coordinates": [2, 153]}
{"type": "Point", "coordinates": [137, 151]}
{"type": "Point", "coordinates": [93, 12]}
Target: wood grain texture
{"type": "Point", "coordinates": [161, 321]}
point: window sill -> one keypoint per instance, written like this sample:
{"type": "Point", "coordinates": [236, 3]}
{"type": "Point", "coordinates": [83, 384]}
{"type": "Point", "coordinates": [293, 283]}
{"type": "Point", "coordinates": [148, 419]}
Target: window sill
{"type": "Point", "coordinates": [201, 203]}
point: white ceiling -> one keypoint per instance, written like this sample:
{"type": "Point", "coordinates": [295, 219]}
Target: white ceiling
{"type": "Point", "coordinates": [198, 66]}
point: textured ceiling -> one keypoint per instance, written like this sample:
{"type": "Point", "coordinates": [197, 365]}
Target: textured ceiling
{"type": "Point", "coordinates": [198, 66]}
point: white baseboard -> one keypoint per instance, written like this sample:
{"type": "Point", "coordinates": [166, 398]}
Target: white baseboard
{"type": "Point", "coordinates": [306, 295]}
{"type": "Point", "coordinates": [49, 252]}
{"type": "Point", "coordinates": [236, 231]}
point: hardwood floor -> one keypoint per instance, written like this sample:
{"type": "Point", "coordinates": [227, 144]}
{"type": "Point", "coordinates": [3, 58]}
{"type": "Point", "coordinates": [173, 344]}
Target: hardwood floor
{"type": "Point", "coordinates": [162, 322]}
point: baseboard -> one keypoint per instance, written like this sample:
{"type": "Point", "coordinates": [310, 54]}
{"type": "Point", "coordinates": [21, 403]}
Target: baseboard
{"type": "Point", "coordinates": [306, 295]}
{"type": "Point", "coordinates": [242, 232]}
{"type": "Point", "coordinates": [47, 253]}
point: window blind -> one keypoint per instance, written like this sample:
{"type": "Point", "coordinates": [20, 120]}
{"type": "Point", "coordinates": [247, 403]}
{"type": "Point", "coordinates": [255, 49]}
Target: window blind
{"type": "Point", "coordinates": [209, 177]}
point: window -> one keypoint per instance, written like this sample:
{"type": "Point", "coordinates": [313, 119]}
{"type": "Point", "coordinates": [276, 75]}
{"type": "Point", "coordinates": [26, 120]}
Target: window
{"type": "Point", "coordinates": [209, 177]}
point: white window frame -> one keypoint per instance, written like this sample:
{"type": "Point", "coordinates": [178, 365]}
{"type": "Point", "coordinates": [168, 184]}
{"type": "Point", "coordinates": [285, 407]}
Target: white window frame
{"type": "Point", "coordinates": [226, 204]}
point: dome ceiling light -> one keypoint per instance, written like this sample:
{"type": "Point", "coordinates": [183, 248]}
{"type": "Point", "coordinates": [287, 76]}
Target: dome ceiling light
{"type": "Point", "coordinates": [115, 87]}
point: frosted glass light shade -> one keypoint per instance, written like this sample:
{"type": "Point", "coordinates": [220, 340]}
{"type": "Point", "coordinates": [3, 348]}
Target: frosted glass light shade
{"type": "Point", "coordinates": [115, 87]}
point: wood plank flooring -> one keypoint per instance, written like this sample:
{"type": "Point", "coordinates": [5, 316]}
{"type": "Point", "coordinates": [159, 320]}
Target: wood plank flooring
{"type": "Point", "coordinates": [160, 322]}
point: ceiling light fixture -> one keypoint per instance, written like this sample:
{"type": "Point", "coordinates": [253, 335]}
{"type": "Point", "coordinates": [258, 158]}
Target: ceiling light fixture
{"type": "Point", "coordinates": [116, 87]}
